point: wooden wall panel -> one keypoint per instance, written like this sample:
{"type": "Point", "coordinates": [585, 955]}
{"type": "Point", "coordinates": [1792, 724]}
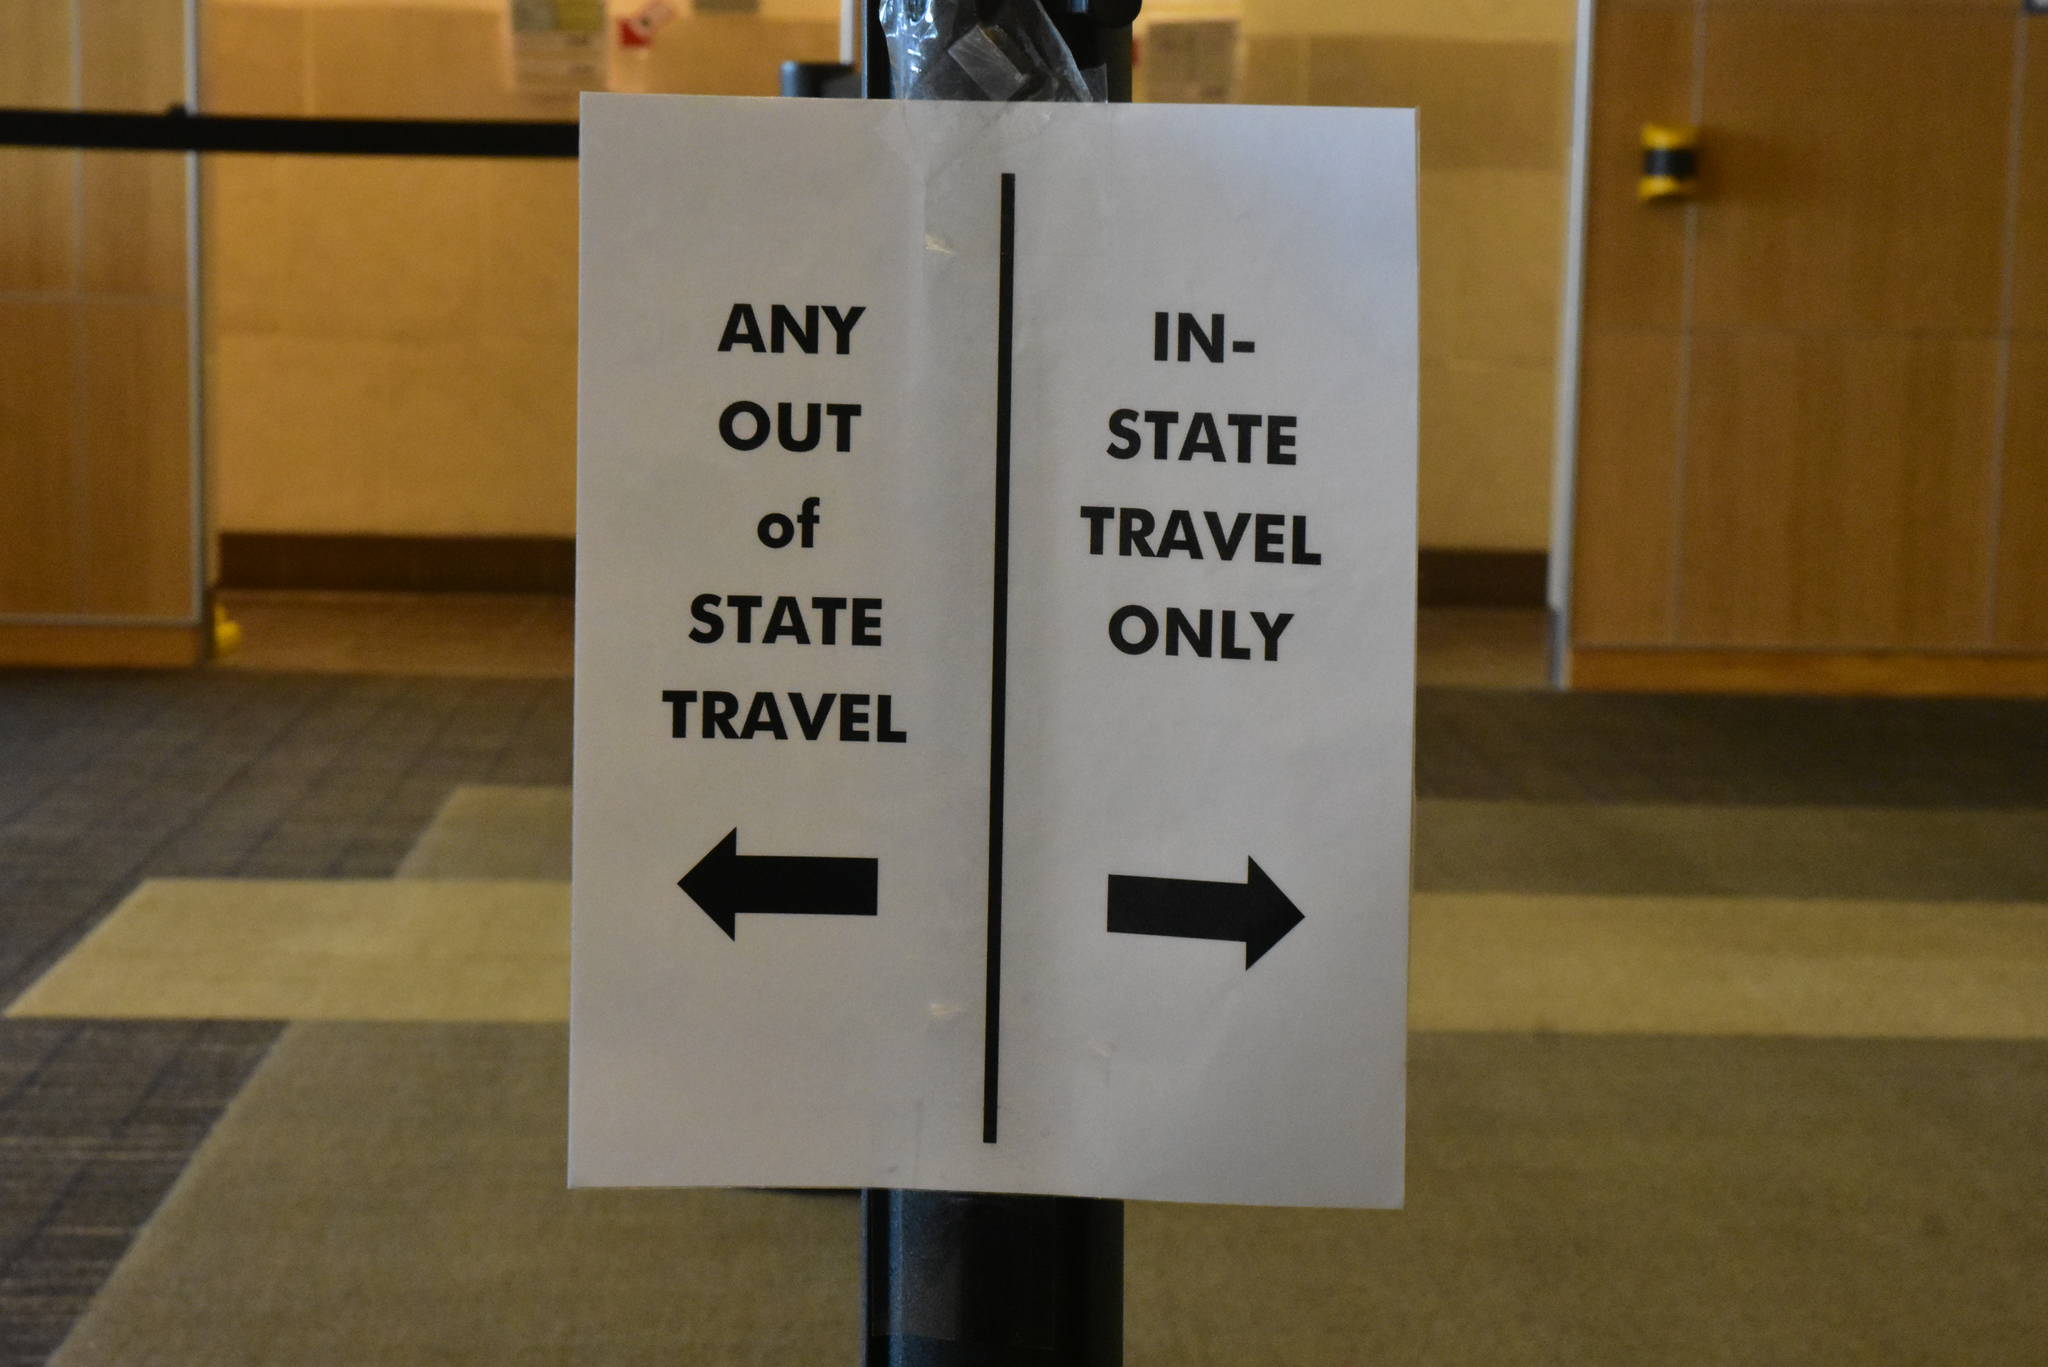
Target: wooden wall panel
{"type": "Point", "coordinates": [1837, 491]}
{"type": "Point", "coordinates": [38, 198]}
{"type": "Point", "coordinates": [134, 54]}
{"type": "Point", "coordinates": [135, 463]}
{"type": "Point", "coordinates": [134, 455]}
{"type": "Point", "coordinates": [1623, 557]}
{"type": "Point", "coordinates": [38, 403]}
{"type": "Point", "coordinates": [1635, 253]}
{"type": "Point", "coordinates": [36, 186]}
{"type": "Point", "coordinates": [1629, 364]}
{"type": "Point", "coordinates": [1856, 166]}
{"type": "Point", "coordinates": [96, 481]}
{"type": "Point", "coordinates": [35, 54]}
{"type": "Point", "coordinates": [2021, 615]}
{"type": "Point", "coordinates": [2022, 612]}
{"type": "Point", "coordinates": [37, 258]}
{"type": "Point", "coordinates": [132, 229]}
{"type": "Point", "coordinates": [132, 233]}
{"type": "Point", "coordinates": [2030, 257]}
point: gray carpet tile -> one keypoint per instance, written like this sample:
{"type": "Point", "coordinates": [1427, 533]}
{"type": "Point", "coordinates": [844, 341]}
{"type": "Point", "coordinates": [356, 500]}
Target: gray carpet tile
{"type": "Point", "coordinates": [108, 779]}
{"type": "Point", "coordinates": [97, 1119]}
{"type": "Point", "coordinates": [1848, 752]}
{"type": "Point", "coordinates": [1632, 1200]}
{"type": "Point", "coordinates": [1672, 850]}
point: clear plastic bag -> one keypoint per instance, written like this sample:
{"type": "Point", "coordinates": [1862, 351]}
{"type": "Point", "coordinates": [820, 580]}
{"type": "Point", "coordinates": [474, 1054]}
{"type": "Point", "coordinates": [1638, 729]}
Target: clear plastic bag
{"type": "Point", "coordinates": [998, 50]}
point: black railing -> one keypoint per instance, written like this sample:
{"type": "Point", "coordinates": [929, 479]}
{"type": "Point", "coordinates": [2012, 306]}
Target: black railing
{"type": "Point", "coordinates": [179, 131]}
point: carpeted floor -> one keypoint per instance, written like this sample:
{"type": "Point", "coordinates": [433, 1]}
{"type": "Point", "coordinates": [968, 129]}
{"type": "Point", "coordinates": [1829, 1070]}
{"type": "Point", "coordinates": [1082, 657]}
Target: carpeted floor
{"type": "Point", "coordinates": [108, 779]}
{"type": "Point", "coordinates": [392, 1194]}
{"type": "Point", "coordinates": [1733, 1047]}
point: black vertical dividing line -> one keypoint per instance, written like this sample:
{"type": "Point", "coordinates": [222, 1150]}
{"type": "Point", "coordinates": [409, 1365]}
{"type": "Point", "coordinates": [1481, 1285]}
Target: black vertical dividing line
{"type": "Point", "coordinates": [999, 650]}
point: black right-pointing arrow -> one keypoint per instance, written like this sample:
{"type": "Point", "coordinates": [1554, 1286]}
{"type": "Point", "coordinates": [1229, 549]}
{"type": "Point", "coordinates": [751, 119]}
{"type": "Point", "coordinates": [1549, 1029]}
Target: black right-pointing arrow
{"type": "Point", "coordinates": [1254, 911]}
{"type": "Point", "coordinates": [726, 884]}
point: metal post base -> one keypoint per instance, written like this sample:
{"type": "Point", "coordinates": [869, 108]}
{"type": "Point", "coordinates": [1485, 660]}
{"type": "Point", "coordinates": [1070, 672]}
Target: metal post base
{"type": "Point", "coordinates": [961, 1279]}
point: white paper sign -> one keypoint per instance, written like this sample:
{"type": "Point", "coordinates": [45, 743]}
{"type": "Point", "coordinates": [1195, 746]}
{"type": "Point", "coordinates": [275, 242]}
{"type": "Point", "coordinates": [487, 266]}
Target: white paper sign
{"type": "Point", "coordinates": [994, 651]}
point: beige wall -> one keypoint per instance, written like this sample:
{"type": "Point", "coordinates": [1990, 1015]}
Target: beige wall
{"type": "Point", "coordinates": [1492, 81]}
{"type": "Point", "coordinates": [392, 343]}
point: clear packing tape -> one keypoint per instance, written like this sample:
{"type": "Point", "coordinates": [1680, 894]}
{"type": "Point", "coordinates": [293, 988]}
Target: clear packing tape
{"type": "Point", "coordinates": [1000, 50]}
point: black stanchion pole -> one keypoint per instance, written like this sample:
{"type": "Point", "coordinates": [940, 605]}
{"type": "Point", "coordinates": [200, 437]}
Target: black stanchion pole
{"type": "Point", "coordinates": [966, 1279]}
{"type": "Point", "coordinates": [970, 1279]}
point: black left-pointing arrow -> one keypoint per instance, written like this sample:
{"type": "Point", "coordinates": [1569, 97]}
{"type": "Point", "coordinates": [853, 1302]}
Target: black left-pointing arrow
{"type": "Point", "coordinates": [727, 884]}
{"type": "Point", "coordinates": [1255, 911]}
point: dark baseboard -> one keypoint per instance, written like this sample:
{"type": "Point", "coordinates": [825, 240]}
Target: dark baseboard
{"type": "Point", "coordinates": [547, 564]}
{"type": "Point", "coordinates": [1482, 579]}
{"type": "Point", "coordinates": [398, 564]}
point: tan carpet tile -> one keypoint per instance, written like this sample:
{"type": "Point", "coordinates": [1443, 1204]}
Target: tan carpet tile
{"type": "Point", "coordinates": [1898, 854]}
{"type": "Point", "coordinates": [430, 950]}
{"type": "Point", "coordinates": [393, 1194]}
{"type": "Point", "coordinates": [248, 949]}
{"type": "Point", "coordinates": [1895, 854]}
{"type": "Point", "coordinates": [495, 832]}
{"type": "Point", "coordinates": [1736, 966]}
